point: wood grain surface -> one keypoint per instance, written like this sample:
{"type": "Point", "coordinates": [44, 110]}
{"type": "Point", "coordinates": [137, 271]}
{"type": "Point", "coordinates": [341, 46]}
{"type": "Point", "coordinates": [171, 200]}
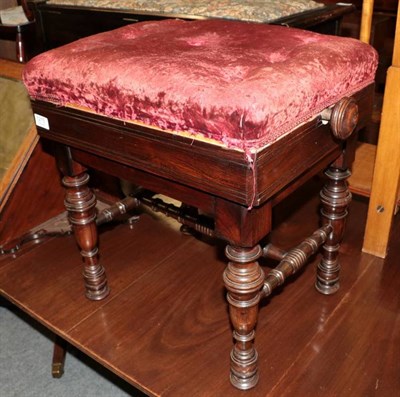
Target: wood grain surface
{"type": "Point", "coordinates": [165, 326]}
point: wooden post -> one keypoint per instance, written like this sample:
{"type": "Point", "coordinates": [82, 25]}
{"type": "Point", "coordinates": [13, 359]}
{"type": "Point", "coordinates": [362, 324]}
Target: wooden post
{"type": "Point", "coordinates": [335, 198]}
{"type": "Point", "coordinates": [385, 181]}
{"type": "Point", "coordinates": [243, 279]}
{"type": "Point", "coordinates": [80, 203]}
{"type": "Point", "coordinates": [366, 20]}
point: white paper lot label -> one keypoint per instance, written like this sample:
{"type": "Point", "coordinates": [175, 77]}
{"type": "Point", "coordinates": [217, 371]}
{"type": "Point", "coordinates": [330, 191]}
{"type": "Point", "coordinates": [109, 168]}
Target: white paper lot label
{"type": "Point", "coordinates": [42, 121]}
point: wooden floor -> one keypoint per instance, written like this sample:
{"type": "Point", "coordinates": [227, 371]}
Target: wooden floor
{"type": "Point", "coordinates": [165, 328]}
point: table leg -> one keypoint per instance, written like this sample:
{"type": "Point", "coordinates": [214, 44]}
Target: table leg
{"type": "Point", "coordinates": [80, 203]}
{"type": "Point", "coordinates": [243, 279]}
{"type": "Point", "coordinates": [59, 352]}
{"type": "Point", "coordinates": [335, 198]}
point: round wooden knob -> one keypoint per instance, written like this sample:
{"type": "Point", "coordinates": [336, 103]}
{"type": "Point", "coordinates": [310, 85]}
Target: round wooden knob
{"type": "Point", "coordinates": [343, 117]}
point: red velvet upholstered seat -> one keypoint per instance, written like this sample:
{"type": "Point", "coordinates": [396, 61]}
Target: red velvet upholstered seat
{"type": "Point", "coordinates": [242, 85]}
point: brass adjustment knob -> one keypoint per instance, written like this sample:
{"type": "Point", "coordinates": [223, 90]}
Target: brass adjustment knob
{"type": "Point", "coordinates": [342, 117]}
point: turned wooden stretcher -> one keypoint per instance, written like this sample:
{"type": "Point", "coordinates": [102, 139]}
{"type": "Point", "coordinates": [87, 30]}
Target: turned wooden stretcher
{"type": "Point", "coordinates": [232, 175]}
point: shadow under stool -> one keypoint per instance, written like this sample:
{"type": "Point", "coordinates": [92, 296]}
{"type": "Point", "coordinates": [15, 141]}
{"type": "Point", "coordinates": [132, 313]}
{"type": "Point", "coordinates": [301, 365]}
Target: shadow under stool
{"type": "Point", "coordinates": [226, 117]}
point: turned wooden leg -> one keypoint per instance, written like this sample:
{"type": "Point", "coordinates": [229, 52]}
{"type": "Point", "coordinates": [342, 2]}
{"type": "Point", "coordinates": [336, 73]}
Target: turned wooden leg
{"type": "Point", "coordinates": [80, 203]}
{"type": "Point", "coordinates": [59, 352]}
{"type": "Point", "coordinates": [243, 279]}
{"type": "Point", "coordinates": [335, 197]}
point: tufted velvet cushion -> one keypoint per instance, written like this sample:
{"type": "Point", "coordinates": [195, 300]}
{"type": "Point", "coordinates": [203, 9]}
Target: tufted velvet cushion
{"type": "Point", "coordinates": [242, 85]}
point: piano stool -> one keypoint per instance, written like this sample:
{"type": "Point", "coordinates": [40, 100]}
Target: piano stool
{"type": "Point", "coordinates": [226, 117]}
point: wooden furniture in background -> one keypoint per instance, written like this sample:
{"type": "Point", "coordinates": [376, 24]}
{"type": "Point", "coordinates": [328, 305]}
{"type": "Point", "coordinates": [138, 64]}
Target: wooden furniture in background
{"type": "Point", "coordinates": [21, 33]}
{"type": "Point", "coordinates": [366, 20]}
{"type": "Point", "coordinates": [18, 133]}
{"type": "Point", "coordinates": [384, 191]}
{"type": "Point", "coordinates": [30, 191]}
{"type": "Point", "coordinates": [62, 24]}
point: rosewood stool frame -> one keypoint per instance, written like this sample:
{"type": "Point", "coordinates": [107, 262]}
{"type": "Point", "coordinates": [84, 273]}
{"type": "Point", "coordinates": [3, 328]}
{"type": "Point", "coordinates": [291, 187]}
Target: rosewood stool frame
{"type": "Point", "coordinates": [219, 182]}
